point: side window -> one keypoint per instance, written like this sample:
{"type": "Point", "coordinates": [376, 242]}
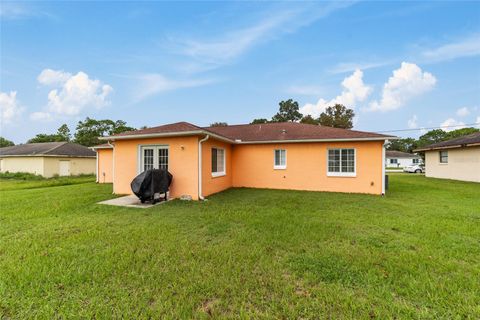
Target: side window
{"type": "Point", "coordinates": [280, 159]}
{"type": "Point", "coordinates": [218, 162]}
{"type": "Point", "coordinates": [341, 162]}
{"type": "Point", "coordinates": [443, 156]}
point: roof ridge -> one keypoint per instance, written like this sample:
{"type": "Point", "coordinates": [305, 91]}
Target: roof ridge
{"type": "Point", "coordinates": [62, 143]}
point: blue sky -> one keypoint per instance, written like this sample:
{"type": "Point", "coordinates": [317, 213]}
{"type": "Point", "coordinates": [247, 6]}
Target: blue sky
{"type": "Point", "coordinates": [398, 64]}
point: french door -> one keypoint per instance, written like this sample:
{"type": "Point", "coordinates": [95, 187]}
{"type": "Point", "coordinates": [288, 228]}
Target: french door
{"type": "Point", "coordinates": [153, 157]}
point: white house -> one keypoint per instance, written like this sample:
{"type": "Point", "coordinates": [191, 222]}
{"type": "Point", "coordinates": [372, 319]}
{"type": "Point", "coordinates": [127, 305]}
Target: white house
{"type": "Point", "coordinates": [457, 159]}
{"type": "Point", "coordinates": [399, 159]}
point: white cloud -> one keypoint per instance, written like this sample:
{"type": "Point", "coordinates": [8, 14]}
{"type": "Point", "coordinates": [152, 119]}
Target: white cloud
{"type": "Point", "coordinates": [9, 107]}
{"type": "Point", "coordinates": [463, 112]}
{"type": "Point", "coordinates": [354, 91]}
{"type": "Point", "coordinates": [345, 67]}
{"type": "Point", "coordinates": [452, 124]}
{"type": "Point", "coordinates": [466, 47]}
{"type": "Point", "coordinates": [407, 82]}
{"type": "Point", "coordinates": [10, 10]}
{"type": "Point", "coordinates": [214, 52]}
{"type": "Point", "coordinates": [412, 122]}
{"type": "Point", "coordinates": [154, 83]}
{"type": "Point", "coordinates": [72, 93]}
{"type": "Point", "coordinates": [41, 116]}
{"type": "Point", "coordinates": [52, 77]}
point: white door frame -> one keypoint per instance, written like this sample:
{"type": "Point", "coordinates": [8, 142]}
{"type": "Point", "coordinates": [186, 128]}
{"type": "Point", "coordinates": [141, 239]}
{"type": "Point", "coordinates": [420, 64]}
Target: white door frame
{"type": "Point", "coordinates": [156, 148]}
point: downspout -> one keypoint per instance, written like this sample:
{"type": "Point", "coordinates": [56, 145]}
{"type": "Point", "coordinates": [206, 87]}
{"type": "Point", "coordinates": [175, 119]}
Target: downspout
{"type": "Point", "coordinates": [200, 166]}
{"type": "Point", "coordinates": [383, 167]}
{"type": "Point", "coordinates": [113, 166]}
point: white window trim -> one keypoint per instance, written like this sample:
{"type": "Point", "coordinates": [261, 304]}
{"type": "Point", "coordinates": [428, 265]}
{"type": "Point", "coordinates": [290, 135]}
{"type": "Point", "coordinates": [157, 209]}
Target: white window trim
{"type": "Point", "coordinates": [280, 167]}
{"type": "Point", "coordinates": [220, 173]}
{"type": "Point", "coordinates": [155, 159]}
{"type": "Point", "coordinates": [344, 174]}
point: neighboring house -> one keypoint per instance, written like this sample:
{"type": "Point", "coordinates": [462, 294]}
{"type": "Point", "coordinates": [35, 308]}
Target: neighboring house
{"type": "Point", "coordinates": [48, 159]}
{"type": "Point", "coordinates": [289, 155]}
{"type": "Point", "coordinates": [457, 159]}
{"type": "Point", "coordinates": [399, 159]}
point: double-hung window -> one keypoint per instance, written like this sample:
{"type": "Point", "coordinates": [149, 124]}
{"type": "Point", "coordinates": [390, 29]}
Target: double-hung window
{"type": "Point", "coordinates": [393, 161]}
{"type": "Point", "coordinates": [443, 156]}
{"type": "Point", "coordinates": [341, 162]}
{"type": "Point", "coordinates": [218, 162]}
{"type": "Point", "coordinates": [280, 159]}
{"type": "Point", "coordinates": [153, 157]}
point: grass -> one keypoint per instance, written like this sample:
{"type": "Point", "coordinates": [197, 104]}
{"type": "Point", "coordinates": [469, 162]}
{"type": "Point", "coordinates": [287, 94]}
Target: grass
{"type": "Point", "coordinates": [17, 181]}
{"type": "Point", "coordinates": [243, 254]}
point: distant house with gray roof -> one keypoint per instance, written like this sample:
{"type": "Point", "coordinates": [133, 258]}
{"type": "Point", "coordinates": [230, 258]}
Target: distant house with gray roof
{"type": "Point", "coordinates": [48, 159]}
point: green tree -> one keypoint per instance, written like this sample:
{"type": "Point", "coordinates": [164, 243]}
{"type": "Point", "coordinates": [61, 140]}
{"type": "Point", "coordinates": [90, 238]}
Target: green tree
{"type": "Point", "coordinates": [432, 136]}
{"type": "Point", "coordinates": [337, 116]}
{"type": "Point", "coordinates": [89, 130]}
{"type": "Point", "coordinates": [219, 124]}
{"type": "Point", "coordinates": [64, 132]}
{"type": "Point", "coordinates": [461, 132]}
{"type": "Point", "coordinates": [259, 121]}
{"type": "Point", "coordinates": [404, 145]}
{"type": "Point", "coordinates": [288, 112]}
{"type": "Point", "coordinates": [5, 143]}
{"type": "Point", "coordinates": [43, 137]}
{"type": "Point", "coordinates": [308, 119]}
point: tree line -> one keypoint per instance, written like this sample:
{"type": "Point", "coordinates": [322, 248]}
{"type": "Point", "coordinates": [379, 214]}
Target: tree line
{"type": "Point", "coordinates": [337, 116]}
{"type": "Point", "coordinates": [432, 136]}
{"type": "Point", "coordinates": [87, 132]}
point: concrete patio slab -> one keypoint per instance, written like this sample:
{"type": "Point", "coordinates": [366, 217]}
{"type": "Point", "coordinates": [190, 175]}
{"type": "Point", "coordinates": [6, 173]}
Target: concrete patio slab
{"type": "Point", "coordinates": [130, 201]}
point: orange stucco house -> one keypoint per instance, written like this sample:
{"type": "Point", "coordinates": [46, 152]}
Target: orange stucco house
{"type": "Point", "coordinates": [207, 160]}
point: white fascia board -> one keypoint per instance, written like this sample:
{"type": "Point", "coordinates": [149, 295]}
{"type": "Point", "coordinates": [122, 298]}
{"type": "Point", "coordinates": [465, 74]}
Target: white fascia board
{"type": "Point", "coordinates": [166, 135]}
{"type": "Point", "coordinates": [314, 140]}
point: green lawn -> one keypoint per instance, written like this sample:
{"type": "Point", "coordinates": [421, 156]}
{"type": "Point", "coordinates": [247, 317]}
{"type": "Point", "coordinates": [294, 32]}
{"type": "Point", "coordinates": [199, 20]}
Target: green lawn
{"type": "Point", "coordinates": [243, 254]}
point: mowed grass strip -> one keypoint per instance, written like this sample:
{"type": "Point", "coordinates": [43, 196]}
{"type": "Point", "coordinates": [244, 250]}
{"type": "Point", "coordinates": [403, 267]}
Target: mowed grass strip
{"type": "Point", "coordinates": [244, 253]}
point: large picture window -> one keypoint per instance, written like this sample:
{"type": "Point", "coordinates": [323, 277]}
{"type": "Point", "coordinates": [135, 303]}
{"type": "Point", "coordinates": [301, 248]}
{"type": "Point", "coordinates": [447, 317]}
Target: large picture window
{"type": "Point", "coordinates": [218, 162]}
{"type": "Point", "coordinates": [153, 157]}
{"type": "Point", "coordinates": [280, 159]}
{"type": "Point", "coordinates": [341, 162]}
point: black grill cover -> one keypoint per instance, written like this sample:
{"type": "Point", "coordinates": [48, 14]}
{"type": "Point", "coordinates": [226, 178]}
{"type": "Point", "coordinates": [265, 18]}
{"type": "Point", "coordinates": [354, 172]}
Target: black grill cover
{"type": "Point", "coordinates": [150, 182]}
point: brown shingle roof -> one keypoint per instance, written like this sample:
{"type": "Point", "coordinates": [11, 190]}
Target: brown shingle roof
{"type": "Point", "coordinates": [286, 131]}
{"type": "Point", "coordinates": [470, 139]}
{"type": "Point", "coordinates": [68, 149]}
{"type": "Point", "coordinates": [400, 154]}
{"type": "Point", "coordinates": [167, 128]}
{"type": "Point", "coordinates": [249, 133]}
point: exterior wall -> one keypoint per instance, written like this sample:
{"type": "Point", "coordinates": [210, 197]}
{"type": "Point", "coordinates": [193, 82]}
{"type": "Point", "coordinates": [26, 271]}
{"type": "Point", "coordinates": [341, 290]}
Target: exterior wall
{"type": "Point", "coordinates": [463, 164]}
{"type": "Point", "coordinates": [78, 166]}
{"type": "Point", "coordinates": [402, 162]}
{"type": "Point", "coordinates": [47, 166]}
{"type": "Point", "coordinates": [211, 184]}
{"type": "Point", "coordinates": [23, 164]}
{"type": "Point", "coordinates": [105, 165]}
{"type": "Point", "coordinates": [307, 167]}
{"type": "Point", "coordinates": [183, 164]}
